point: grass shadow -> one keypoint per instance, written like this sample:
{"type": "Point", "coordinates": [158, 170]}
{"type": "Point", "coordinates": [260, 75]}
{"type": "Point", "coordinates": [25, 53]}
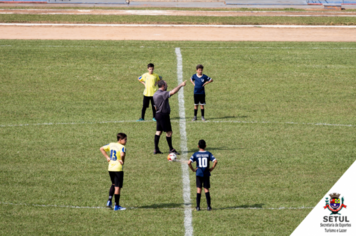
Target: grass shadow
{"type": "Point", "coordinates": [164, 205]}
{"type": "Point", "coordinates": [211, 118]}
{"type": "Point", "coordinates": [225, 117]}
{"type": "Point", "coordinates": [254, 206]}
{"type": "Point", "coordinates": [213, 149]}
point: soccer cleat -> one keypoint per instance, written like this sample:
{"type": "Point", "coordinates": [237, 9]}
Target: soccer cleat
{"type": "Point", "coordinates": [140, 119]}
{"type": "Point", "coordinates": [194, 119]}
{"type": "Point", "coordinates": [202, 118]}
{"type": "Point", "coordinates": [197, 208]}
{"type": "Point", "coordinates": [157, 152]}
{"type": "Point", "coordinates": [109, 204]}
{"type": "Point", "coordinates": [154, 119]}
{"type": "Point", "coordinates": [119, 208]}
{"type": "Point", "coordinates": [174, 151]}
{"type": "Point", "coordinates": [209, 209]}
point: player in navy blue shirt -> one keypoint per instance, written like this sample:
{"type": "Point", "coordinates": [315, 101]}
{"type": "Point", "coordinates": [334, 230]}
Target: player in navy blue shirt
{"type": "Point", "coordinates": [202, 158]}
{"type": "Point", "coordinates": [199, 80]}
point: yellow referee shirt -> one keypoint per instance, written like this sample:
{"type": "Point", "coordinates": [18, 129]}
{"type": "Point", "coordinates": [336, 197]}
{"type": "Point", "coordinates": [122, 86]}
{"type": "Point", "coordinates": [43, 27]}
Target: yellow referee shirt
{"type": "Point", "coordinates": [115, 155]}
{"type": "Point", "coordinates": [150, 82]}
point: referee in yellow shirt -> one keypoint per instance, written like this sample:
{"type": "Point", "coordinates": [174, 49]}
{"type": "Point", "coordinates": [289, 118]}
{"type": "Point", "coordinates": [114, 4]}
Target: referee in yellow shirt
{"type": "Point", "coordinates": [116, 161]}
{"type": "Point", "coordinates": [149, 80]}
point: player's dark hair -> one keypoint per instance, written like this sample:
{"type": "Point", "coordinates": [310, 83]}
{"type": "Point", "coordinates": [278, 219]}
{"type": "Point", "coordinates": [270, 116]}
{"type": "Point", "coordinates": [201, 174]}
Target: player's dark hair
{"type": "Point", "coordinates": [121, 136]}
{"type": "Point", "coordinates": [200, 66]}
{"type": "Point", "coordinates": [202, 144]}
{"type": "Point", "coordinates": [161, 83]}
{"type": "Point", "coordinates": [150, 65]}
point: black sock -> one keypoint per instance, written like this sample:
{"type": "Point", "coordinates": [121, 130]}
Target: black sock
{"type": "Point", "coordinates": [157, 141]}
{"type": "Point", "coordinates": [202, 112]}
{"type": "Point", "coordinates": [195, 112]}
{"type": "Point", "coordinates": [153, 110]}
{"type": "Point", "coordinates": [111, 192]}
{"type": "Point", "coordinates": [143, 112]}
{"type": "Point", "coordinates": [117, 199]}
{"type": "Point", "coordinates": [169, 141]}
{"type": "Point", "coordinates": [198, 199]}
{"type": "Point", "coordinates": [208, 200]}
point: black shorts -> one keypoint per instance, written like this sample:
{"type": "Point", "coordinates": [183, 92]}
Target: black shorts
{"type": "Point", "coordinates": [163, 122]}
{"type": "Point", "coordinates": [117, 178]}
{"type": "Point", "coordinates": [201, 180]}
{"type": "Point", "coordinates": [146, 101]}
{"type": "Point", "coordinates": [199, 99]}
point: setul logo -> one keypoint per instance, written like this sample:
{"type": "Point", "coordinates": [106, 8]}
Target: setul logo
{"type": "Point", "coordinates": [334, 206]}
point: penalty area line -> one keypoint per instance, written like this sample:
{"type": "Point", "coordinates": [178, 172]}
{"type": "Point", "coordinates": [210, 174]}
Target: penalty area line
{"type": "Point", "coordinates": [181, 119]}
{"type": "Point", "coordinates": [154, 208]}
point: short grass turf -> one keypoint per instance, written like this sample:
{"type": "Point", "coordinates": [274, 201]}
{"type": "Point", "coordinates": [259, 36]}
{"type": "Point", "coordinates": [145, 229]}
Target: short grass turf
{"type": "Point", "coordinates": [62, 100]}
{"type": "Point", "coordinates": [206, 20]}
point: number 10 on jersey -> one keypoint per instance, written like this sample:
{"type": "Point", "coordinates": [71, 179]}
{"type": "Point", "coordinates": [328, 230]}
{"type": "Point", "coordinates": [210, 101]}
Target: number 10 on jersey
{"type": "Point", "coordinates": [203, 162]}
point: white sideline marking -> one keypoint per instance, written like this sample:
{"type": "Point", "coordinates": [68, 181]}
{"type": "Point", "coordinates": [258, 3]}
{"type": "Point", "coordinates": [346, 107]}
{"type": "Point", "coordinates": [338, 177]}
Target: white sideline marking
{"type": "Point", "coordinates": [184, 149]}
{"type": "Point", "coordinates": [181, 26]}
{"type": "Point", "coordinates": [208, 121]}
{"type": "Point", "coordinates": [164, 208]}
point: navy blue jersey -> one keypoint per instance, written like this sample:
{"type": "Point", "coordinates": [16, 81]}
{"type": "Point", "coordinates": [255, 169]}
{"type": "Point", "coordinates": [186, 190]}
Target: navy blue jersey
{"type": "Point", "coordinates": [199, 81]}
{"type": "Point", "coordinates": [203, 160]}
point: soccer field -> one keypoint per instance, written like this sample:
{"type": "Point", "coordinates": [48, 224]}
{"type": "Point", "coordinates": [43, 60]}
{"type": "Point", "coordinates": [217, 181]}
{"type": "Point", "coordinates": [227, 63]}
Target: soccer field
{"type": "Point", "coordinates": [280, 121]}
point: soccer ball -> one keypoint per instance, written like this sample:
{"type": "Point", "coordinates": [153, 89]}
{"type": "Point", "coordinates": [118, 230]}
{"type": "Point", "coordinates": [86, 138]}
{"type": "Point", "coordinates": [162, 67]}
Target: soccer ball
{"type": "Point", "coordinates": [172, 157]}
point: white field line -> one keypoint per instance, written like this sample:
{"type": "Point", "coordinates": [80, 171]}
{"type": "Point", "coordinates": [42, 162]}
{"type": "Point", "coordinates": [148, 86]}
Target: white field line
{"type": "Point", "coordinates": [184, 149]}
{"type": "Point", "coordinates": [153, 208]}
{"type": "Point", "coordinates": [181, 26]}
{"type": "Point", "coordinates": [177, 121]}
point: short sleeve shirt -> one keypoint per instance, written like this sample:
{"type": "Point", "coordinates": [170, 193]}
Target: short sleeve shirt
{"type": "Point", "coordinates": [199, 81]}
{"type": "Point", "coordinates": [203, 162]}
{"type": "Point", "coordinates": [161, 100]}
{"type": "Point", "coordinates": [115, 150]}
{"type": "Point", "coordinates": [150, 83]}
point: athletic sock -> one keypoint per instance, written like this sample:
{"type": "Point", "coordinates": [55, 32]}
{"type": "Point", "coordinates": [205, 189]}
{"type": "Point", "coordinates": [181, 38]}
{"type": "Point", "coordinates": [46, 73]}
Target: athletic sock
{"type": "Point", "coordinates": [169, 141]}
{"type": "Point", "coordinates": [117, 199]}
{"type": "Point", "coordinates": [198, 199]}
{"type": "Point", "coordinates": [195, 112]}
{"type": "Point", "coordinates": [157, 141]}
{"type": "Point", "coordinates": [153, 111]}
{"type": "Point", "coordinates": [208, 200]}
{"type": "Point", "coordinates": [143, 112]}
{"type": "Point", "coordinates": [202, 112]}
{"type": "Point", "coordinates": [111, 192]}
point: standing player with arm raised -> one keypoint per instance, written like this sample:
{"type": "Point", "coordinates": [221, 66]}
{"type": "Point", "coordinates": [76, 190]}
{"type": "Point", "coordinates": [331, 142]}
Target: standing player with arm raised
{"type": "Point", "coordinates": [116, 162]}
{"type": "Point", "coordinates": [163, 111]}
{"type": "Point", "coordinates": [199, 80]}
{"type": "Point", "coordinates": [149, 80]}
{"type": "Point", "coordinates": [202, 157]}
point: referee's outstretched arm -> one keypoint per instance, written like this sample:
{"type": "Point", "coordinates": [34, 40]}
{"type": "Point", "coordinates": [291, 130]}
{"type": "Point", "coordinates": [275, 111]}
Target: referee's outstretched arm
{"type": "Point", "coordinates": [176, 89]}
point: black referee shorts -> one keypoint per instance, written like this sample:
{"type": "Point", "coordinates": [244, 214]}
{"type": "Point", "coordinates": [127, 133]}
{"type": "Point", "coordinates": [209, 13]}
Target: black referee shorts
{"type": "Point", "coordinates": [199, 99]}
{"type": "Point", "coordinates": [146, 101]}
{"type": "Point", "coordinates": [117, 178]}
{"type": "Point", "coordinates": [163, 122]}
{"type": "Point", "coordinates": [203, 180]}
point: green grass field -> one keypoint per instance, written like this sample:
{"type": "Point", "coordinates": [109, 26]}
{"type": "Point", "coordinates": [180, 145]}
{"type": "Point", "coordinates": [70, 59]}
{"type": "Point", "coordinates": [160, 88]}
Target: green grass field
{"type": "Point", "coordinates": [206, 20]}
{"type": "Point", "coordinates": [62, 100]}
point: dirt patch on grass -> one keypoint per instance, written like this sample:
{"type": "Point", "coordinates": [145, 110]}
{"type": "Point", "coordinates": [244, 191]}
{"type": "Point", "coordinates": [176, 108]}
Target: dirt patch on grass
{"type": "Point", "coordinates": [178, 33]}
